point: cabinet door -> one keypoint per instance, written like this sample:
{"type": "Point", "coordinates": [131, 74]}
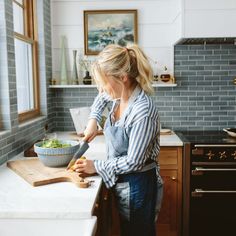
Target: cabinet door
{"type": "Point", "coordinates": [103, 211]}
{"type": "Point", "coordinates": [167, 220]}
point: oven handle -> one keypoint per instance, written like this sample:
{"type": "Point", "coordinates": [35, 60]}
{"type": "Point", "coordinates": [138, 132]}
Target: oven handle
{"type": "Point", "coordinates": [214, 145]}
{"type": "Point", "coordinates": [199, 192]}
{"type": "Point", "coordinates": [200, 170]}
{"type": "Point", "coordinates": [214, 169]}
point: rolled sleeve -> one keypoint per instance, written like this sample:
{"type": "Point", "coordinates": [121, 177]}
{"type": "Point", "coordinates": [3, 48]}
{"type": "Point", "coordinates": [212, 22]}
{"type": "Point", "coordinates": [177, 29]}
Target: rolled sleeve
{"type": "Point", "coordinates": [99, 104]}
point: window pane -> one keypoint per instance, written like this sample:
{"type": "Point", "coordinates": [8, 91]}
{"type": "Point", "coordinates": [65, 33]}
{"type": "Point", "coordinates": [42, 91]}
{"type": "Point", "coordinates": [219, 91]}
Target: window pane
{"type": "Point", "coordinates": [24, 76]}
{"type": "Point", "coordinates": [18, 19]}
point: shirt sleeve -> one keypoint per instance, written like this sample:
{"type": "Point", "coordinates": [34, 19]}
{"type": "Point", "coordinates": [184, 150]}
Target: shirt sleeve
{"type": "Point", "coordinates": [99, 105]}
{"type": "Point", "coordinates": [143, 134]}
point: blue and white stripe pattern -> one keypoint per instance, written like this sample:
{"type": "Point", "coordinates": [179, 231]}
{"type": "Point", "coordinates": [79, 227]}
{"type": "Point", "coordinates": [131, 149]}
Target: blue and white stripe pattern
{"type": "Point", "coordinates": [141, 124]}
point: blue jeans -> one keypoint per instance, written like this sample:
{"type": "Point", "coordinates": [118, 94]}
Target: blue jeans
{"type": "Point", "coordinates": [136, 195]}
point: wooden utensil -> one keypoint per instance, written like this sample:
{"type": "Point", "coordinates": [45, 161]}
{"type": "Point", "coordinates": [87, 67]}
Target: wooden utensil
{"type": "Point", "coordinates": [35, 173]}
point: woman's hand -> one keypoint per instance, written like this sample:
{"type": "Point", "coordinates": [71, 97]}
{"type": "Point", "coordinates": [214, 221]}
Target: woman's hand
{"type": "Point", "coordinates": [84, 166]}
{"type": "Point", "coordinates": [91, 130]}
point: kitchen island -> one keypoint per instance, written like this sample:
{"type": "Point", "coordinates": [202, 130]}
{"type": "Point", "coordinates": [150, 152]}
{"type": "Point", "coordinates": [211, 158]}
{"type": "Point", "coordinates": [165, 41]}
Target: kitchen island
{"type": "Point", "coordinates": [59, 208]}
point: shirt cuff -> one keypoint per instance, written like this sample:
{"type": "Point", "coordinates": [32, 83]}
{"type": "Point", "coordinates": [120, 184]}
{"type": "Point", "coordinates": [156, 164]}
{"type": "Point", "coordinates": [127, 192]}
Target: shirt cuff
{"type": "Point", "coordinates": [109, 179]}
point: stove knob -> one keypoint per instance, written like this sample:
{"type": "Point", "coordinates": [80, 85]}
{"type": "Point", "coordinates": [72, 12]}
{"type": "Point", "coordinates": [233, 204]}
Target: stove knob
{"type": "Point", "coordinates": [234, 155]}
{"type": "Point", "coordinates": [222, 155]}
{"type": "Point", "coordinates": [210, 155]}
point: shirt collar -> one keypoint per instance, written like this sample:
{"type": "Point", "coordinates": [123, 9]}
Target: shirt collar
{"type": "Point", "coordinates": [131, 100]}
{"type": "Point", "coordinates": [134, 95]}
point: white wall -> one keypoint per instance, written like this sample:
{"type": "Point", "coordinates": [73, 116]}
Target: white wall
{"type": "Point", "coordinates": [209, 18]}
{"type": "Point", "coordinates": [158, 26]}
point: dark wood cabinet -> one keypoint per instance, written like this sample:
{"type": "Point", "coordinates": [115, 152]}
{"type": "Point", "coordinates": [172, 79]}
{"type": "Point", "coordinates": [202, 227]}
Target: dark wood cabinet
{"type": "Point", "coordinates": [169, 220]}
{"type": "Point", "coordinates": [103, 211]}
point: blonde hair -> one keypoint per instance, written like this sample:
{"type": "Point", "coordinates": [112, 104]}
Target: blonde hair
{"type": "Point", "coordinates": [118, 61]}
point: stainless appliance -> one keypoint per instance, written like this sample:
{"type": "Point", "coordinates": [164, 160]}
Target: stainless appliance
{"type": "Point", "coordinates": [209, 184]}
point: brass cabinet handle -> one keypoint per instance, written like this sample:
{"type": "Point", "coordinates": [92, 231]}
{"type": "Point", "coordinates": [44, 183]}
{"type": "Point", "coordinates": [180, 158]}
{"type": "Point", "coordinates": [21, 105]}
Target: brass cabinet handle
{"type": "Point", "coordinates": [173, 178]}
{"type": "Point", "coordinates": [106, 195]}
{"type": "Point", "coordinates": [105, 198]}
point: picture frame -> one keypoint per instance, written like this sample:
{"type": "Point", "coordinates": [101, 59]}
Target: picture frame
{"type": "Point", "coordinates": [103, 27]}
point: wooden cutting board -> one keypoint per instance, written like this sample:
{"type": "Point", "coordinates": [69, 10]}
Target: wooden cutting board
{"type": "Point", "coordinates": [35, 173]}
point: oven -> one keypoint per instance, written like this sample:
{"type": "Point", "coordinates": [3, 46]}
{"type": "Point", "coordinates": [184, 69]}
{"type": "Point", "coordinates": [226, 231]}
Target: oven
{"type": "Point", "coordinates": [209, 204]}
{"type": "Point", "coordinates": [213, 190]}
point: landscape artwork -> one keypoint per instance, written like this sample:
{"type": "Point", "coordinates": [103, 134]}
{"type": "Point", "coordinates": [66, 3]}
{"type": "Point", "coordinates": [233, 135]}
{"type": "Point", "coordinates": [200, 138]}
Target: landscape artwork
{"type": "Point", "coordinates": [102, 28]}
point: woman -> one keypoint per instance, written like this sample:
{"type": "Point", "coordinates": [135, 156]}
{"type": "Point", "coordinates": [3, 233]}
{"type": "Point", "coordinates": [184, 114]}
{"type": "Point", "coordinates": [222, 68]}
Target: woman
{"type": "Point", "coordinates": [124, 76]}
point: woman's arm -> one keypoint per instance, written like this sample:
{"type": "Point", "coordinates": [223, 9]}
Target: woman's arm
{"type": "Point", "coordinates": [95, 116]}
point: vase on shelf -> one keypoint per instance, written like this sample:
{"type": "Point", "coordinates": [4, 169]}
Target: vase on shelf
{"type": "Point", "coordinates": [87, 79]}
{"type": "Point", "coordinates": [80, 69]}
{"type": "Point", "coordinates": [63, 69]}
{"type": "Point", "coordinates": [74, 76]}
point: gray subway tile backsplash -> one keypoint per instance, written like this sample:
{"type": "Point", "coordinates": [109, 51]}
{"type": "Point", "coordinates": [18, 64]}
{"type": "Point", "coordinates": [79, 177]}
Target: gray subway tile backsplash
{"type": "Point", "coordinates": [205, 94]}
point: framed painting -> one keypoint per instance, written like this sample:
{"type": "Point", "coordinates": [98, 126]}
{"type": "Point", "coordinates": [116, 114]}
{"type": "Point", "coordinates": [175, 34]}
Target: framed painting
{"type": "Point", "coordinates": [103, 27]}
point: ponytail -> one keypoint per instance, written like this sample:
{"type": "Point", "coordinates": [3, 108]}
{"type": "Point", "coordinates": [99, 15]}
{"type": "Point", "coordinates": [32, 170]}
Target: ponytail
{"type": "Point", "coordinates": [145, 73]}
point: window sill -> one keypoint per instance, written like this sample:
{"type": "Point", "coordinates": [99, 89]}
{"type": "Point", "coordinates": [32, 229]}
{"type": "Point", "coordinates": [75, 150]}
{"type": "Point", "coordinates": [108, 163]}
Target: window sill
{"type": "Point", "coordinates": [31, 121]}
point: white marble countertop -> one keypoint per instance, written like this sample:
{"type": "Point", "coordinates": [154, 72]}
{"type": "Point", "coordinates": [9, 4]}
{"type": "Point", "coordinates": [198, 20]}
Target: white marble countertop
{"type": "Point", "coordinates": [18, 199]}
{"type": "Point", "coordinates": [170, 140]}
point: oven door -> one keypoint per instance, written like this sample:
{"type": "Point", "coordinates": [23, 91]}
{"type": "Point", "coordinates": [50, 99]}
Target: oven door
{"type": "Point", "coordinates": [213, 201]}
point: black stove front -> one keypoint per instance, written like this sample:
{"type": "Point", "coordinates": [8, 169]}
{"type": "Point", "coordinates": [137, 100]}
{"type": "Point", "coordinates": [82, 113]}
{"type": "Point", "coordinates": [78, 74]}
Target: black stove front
{"type": "Point", "coordinates": [209, 184]}
{"type": "Point", "coordinates": [207, 137]}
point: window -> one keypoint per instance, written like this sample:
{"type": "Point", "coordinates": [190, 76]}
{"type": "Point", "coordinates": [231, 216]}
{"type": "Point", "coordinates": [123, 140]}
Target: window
{"type": "Point", "coordinates": [26, 58]}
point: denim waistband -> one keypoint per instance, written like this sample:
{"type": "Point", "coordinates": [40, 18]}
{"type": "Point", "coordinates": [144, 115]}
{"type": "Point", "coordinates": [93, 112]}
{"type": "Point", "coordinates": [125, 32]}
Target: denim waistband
{"type": "Point", "coordinates": [149, 166]}
{"type": "Point", "coordinates": [145, 170]}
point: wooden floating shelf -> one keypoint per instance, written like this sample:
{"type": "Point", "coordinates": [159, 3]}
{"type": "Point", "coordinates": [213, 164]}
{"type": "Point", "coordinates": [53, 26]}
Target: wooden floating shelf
{"type": "Point", "coordinates": [73, 86]}
{"type": "Point", "coordinates": [164, 85]}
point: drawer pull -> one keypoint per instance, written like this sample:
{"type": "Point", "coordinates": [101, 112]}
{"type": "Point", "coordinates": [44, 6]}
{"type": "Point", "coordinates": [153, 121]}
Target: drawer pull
{"type": "Point", "coordinates": [173, 178]}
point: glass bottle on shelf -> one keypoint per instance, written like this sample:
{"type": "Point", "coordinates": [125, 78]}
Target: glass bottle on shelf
{"type": "Point", "coordinates": [155, 71]}
{"type": "Point", "coordinates": [87, 78]}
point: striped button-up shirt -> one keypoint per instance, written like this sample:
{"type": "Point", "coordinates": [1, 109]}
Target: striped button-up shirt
{"type": "Point", "coordinates": [142, 128]}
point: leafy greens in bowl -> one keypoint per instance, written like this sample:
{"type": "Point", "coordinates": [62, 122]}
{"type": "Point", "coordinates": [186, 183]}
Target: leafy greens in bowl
{"type": "Point", "coordinates": [55, 143]}
{"type": "Point", "coordinates": [56, 153]}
